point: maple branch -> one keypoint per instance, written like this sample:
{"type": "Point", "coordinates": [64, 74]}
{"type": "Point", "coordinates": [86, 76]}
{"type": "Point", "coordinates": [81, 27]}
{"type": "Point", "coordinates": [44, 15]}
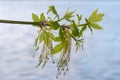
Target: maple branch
{"type": "Point", "coordinates": [19, 22]}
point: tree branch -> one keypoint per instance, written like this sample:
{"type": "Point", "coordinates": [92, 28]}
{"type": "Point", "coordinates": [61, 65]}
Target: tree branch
{"type": "Point", "coordinates": [44, 23]}
{"type": "Point", "coordinates": [19, 22]}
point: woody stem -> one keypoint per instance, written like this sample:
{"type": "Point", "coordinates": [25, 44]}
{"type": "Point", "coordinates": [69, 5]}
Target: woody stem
{"type": "Point", "coordinates": [19, 22]}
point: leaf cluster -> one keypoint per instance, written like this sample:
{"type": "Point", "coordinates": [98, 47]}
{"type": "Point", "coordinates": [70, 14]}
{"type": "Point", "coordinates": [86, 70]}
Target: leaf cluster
{"type": "Point", "coordinates": [66, 34]}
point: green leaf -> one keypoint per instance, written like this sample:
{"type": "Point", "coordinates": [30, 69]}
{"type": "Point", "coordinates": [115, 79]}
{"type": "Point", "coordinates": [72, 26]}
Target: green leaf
{"type": "Point", "coordinates": [69, 15]}
{"type": "Point", "coordinates": [57, 48]}
{"type": "Point", "coordinates": [61, 34]}
{"type": "Point", "coordinates": [42, 36]}
{"type": "Point", "coordinates": [47, 39]}
{"type": "Point", "coordinates": [55, 25]}
{"type": "Point", "coordinates": [81, 30]}
{"type": "Point", "coordinates": [57, 39]}
{"type": "Point", "coordinates": [79, 18]}
{"type": "Point", "coordinates": [35, 17]}
{"type": "Point", "coordinates": [90, 28]}
{"type": "Point", "coordinates": [96, 17]}
{"type": "Point", "coordinates": [42, 17]}
{"type": "Point", "coordinates": [88, 23]}
{"type": "Point", "coordinates": [96, 26]}
{"type": "Point", "coordinates": [75, 31]}
{"type": "Point", "coordinates": [53, 10]}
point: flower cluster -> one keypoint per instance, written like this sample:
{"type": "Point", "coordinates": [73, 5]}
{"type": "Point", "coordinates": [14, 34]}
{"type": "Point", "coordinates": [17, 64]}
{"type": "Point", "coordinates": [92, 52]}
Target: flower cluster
{"type": "Point", "coordinates": [65, 34]}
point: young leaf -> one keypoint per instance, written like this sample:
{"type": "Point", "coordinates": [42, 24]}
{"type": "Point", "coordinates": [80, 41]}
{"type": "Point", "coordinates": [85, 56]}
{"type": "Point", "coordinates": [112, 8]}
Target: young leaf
{"type": "Point", "coordinates": [79, 18]}
{"type": "Point", "coordinates": [42, 36]}
{"type": "Point", "coordinates": [42, 17]}
{"type": "Point", "coordinates": [35, 18]}
{"type": "Point", "coordinates": [68, 15]}
{"type": "Point", "coordinates": [87, 21]}
{"type": "Point", "coordinates": [55, 25]}
{"type": "Point", "coordinates": [61, 34]}
{"type": "Point", "coordinates": [96, 26]}
{"type": "Point", "coordinates": [90, 28]}
{"type": "Point", "coordinates": [81, 30]}
{"type": "Point", "coordinates": [95, 17]}
{"type": "Point", "coordinates": [53, 10]}
{"type": "Point", "coordinates": [57, 48]}
{"type": "Point", "coordinates": [47, 39]}
{"type": "Point", "coordinates": [75, 31]}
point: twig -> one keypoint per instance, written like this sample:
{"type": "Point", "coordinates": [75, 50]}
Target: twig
{"type": "Point", "coordinates": [19, 22]}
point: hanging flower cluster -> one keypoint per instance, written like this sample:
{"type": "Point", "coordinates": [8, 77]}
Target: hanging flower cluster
{"type": "Point", "coordinates": [64, 35]}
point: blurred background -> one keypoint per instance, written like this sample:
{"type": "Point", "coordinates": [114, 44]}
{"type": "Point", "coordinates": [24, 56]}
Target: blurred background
{"type": "Point", "coordinates": [100, 59]}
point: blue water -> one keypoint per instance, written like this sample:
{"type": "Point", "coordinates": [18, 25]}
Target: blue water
{"type": "Point", "coordinates": [100, 59]}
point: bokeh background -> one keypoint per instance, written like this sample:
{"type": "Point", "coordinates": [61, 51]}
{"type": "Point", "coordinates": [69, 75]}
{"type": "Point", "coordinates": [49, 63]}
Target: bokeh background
{"type": "Point", "coordinates": [100, 59]}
